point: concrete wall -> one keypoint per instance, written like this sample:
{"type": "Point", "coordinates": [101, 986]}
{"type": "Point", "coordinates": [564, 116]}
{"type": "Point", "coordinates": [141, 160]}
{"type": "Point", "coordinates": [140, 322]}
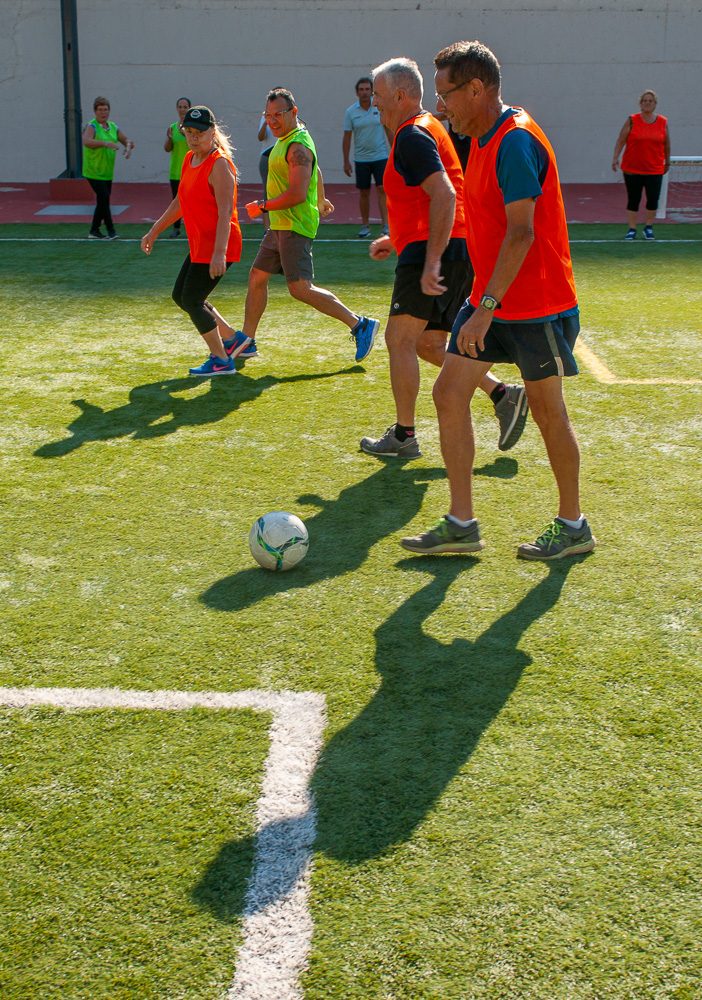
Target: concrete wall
{"type": "Point", "coordinates": [578, 67]}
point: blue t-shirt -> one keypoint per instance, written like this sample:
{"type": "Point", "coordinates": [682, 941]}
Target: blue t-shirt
{"type": "Point", "coordinates": [521, 167]}
{"type": "Point", "coordinates": [369, 141]}
{"type": "Point", "coordinates": [416, 158]}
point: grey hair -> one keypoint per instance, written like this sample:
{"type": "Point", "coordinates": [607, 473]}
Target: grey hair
{"type": "Point", "coordinates": [403, 74]}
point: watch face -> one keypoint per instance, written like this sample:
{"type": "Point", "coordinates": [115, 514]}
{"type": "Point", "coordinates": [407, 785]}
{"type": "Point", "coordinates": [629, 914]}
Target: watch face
{"type": "Point", "coordinates": [488, 302]}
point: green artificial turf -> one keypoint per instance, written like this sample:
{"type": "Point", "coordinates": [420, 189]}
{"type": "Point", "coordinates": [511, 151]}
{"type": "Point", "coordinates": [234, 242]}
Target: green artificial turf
{"type": "Point", "coordinates": [508, 798]}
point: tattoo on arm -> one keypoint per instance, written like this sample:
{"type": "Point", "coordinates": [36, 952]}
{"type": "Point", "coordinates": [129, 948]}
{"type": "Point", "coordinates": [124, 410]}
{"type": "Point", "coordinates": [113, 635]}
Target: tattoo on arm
{"type": "Point", "coordinates": [300, 156]}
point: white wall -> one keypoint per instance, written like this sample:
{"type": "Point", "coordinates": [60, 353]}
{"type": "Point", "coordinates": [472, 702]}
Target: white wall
{"type": "Point", "coordinates": [577, 66]}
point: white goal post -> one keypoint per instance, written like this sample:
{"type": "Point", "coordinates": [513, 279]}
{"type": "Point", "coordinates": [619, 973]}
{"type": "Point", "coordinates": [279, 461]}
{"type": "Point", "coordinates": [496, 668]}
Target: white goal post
{"type": "Point", "coordinates": [683, 169]}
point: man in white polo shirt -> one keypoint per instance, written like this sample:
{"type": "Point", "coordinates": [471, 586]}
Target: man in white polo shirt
{"type": "Point", "coordinates": [370, 152]}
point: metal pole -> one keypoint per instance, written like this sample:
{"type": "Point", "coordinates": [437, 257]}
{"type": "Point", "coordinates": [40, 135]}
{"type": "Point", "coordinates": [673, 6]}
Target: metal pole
{"type": "Point", "coordinates": [71, 89]}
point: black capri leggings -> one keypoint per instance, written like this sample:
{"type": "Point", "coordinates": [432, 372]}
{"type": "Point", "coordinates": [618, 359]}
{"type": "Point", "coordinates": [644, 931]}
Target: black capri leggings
{"type": "Point", "coordinates": [102, 213]}
{"type": "Point", "coordinates": [636, 183]}
{"type": "Point", "coordinates": [192, 286]}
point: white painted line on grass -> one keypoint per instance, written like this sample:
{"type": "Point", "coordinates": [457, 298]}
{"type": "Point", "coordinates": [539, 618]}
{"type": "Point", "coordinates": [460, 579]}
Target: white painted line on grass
{"type": "Point", "coordinates": [602, 373]}
{"type": "Point", "coordinates": [277, 928]}
{"type": "Point", "coordinates": [255, 239]}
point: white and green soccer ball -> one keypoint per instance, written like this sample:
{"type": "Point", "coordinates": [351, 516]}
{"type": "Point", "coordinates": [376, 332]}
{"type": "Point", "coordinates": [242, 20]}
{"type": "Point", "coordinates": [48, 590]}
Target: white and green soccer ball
{"type": "Point", "coordinates": [278, 541]}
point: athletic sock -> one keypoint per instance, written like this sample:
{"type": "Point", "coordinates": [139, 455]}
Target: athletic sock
{"type": "Point", "coordinates": [575, 525]}
{"type": "Point", "coordinates": [498, 392]}
{"type": "Point", "coordinates": [461, 524]}
{"type": "Point", "coordinates": [402, 432]}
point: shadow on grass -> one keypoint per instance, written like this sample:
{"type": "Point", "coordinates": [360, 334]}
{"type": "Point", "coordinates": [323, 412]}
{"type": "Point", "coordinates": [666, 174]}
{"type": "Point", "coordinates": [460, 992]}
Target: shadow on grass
{"type": "Point", "coordinates": [344, 531]}
{"type": "Point", "coordinates": [380, 776]}
{"type": "Point", "coordinates": [341, 534]}
{"type": "Point", "coordinates": [156, 409]}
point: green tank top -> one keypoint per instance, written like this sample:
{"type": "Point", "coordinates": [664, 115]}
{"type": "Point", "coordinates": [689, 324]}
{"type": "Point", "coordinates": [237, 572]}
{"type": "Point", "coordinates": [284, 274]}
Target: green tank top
{"type": "Point", "coordinates": [180, 148]}
{"type": "Point", "coordinates": [99, 164]}
{"type": "Point", "coordinates": [303, 218]}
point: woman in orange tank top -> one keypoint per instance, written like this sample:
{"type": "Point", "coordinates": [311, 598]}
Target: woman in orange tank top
{"type": "Point", "coordinates": [646, 143]}
{"type": "Point", "coordinates": [206, 200]}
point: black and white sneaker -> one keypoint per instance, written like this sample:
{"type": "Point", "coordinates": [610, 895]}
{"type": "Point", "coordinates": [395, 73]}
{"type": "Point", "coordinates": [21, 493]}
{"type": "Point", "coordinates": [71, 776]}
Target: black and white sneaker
{"type": "Point", "coordinates": [511, 412]}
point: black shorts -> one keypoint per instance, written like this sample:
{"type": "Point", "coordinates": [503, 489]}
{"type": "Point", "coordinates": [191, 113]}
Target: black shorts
{"type": "Point", "coordinates": [636, 184]}
{"type": "Point", "coordinates": [364, 172]}
{"type": "Point", "coordinates": [439, 311]}
{"type": "Point", "coordinates": [539, 349]}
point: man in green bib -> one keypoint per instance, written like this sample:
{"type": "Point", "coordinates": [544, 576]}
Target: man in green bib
{"type": "Point", "coordinates": [294, 201]}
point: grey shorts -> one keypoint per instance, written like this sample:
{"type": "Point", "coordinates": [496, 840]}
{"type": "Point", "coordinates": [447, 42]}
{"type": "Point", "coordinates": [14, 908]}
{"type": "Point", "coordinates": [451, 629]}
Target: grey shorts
{"type": "Point", "coordinates": [285, 252]}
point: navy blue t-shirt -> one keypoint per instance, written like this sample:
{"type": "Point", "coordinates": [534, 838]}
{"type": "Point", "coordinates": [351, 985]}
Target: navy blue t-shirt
{"type": "Point", "coordinates": [417, 157]}
{"type": "Point", "coordinates": [521, 167]}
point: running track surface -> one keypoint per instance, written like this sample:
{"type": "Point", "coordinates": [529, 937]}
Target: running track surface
{"type": "Point", "coordinates": [145, 202]}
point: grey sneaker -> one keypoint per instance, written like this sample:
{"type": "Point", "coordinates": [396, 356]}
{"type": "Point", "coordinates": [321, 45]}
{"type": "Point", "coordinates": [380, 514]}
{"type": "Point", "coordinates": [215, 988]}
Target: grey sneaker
{"type": "Point", "coordinates": [388, 444]}
{"type": "Point", "coordinates": [364, 232]}
{"type": "Point", "coordinates": [511, 411]}
{"type": "Point", "coordinates": [445, 537]}
{"type": "Point", "coordinates": [558, 540]}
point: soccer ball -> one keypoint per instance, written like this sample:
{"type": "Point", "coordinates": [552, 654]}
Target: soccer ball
{"type": "Point", "coordinates": [278, 540]}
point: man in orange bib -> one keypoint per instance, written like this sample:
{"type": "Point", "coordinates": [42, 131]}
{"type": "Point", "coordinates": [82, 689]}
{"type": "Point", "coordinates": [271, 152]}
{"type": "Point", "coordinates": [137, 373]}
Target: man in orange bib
{"type": "Point", "coordinates": [423, 187]}
{"type": "Point", "coordinates": [523, 307]}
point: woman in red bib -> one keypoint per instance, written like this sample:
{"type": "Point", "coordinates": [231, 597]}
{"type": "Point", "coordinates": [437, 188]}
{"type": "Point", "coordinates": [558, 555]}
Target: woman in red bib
{"type": "Point", "coordinates": [206, 201]}
{"type": "Point", "coordinates": [646, 143]}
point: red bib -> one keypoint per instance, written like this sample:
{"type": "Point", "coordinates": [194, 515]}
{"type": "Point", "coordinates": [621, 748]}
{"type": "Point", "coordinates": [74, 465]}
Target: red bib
{"type": "Point", "coordinates": [408, 207]}
{"type": "Point", "coordinates": [200, 212]}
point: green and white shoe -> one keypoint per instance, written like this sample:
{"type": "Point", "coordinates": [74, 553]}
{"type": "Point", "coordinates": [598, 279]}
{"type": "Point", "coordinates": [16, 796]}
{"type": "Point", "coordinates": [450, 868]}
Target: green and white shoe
{"type": "Point", "coordinates": [558, 540]}
{"type": "Point", "coordinates": [445, 537]}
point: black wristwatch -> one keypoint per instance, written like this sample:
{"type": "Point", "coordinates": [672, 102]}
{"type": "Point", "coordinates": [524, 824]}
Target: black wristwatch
{"type": "Point", "coordinates": [490, 303]}
{"type": "Point", "coordinates": [262, 204]}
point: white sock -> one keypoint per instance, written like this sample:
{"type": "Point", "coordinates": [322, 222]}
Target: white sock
{"type": "Point", "coordinates": [573, 524]}
{"type": "Point", "coordinates": [461, 524]}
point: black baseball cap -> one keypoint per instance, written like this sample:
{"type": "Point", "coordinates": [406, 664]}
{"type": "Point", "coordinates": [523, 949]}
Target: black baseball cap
{"type": "Point", "coordinates": [198, 117]}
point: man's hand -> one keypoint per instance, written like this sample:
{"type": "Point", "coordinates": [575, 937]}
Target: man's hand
{"type": "Point", "coordinates": [253, 209]}
{"type": "Point", "coordinates": [471, 336]}
{"type": "Point", "coordinates": [325, 208]}
{"type": "Point", "coordinates": [348, 169]}
{"type": "Point", "coordinates": [431, 281]}
{"type": "Point", "coordinates": [381, 248]}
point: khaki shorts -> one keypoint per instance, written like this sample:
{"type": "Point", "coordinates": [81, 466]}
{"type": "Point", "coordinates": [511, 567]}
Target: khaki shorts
{"type": "Point", "coordinates": [285, 252]}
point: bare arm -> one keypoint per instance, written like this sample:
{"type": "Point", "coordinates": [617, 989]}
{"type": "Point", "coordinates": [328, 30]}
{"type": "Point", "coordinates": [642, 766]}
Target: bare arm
{"type": "Point", "coordinates": [91, 142]}
{"type": "Point", "coordinates": [346, 150]}
{"type": "Point", "coordinates": [127, 143]}
{"type": "Point", "coordinates": [667, 150]}
{"type": "Point", "coordinates": [222, 184]}
{"type": "Point", "coordinates": [517, 241]}
{"type": "Point", "coordinates": [621, 143]}
{"type": "Point", "coordinates": [172, 213]}
{"type": "Point", "coordinates": [442, 207]}
{"type": "Point", "coordinates": [300, 162]}
{"type": "Point", "coordinates": [323, 204]}
{"type": "Point", "coordinates": [168, 144]}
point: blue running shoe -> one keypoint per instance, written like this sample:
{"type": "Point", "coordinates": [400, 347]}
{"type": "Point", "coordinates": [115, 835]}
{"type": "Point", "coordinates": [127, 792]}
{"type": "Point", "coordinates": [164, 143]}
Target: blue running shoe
{"type": "Point", "coordinates": [215, 366]}
{"type": "Point", "coordinates": [239, 344]}
{"type": "Point", "coordinates": [251, 351]}
{"type": "Point", "coordinates": [364, 334]}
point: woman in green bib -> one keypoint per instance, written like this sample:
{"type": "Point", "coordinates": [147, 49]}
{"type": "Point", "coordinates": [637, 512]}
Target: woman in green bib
{"type": "Point", "coordinates": [177, 146]}
{"type": "Point", "coordinates": [101, 140]}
